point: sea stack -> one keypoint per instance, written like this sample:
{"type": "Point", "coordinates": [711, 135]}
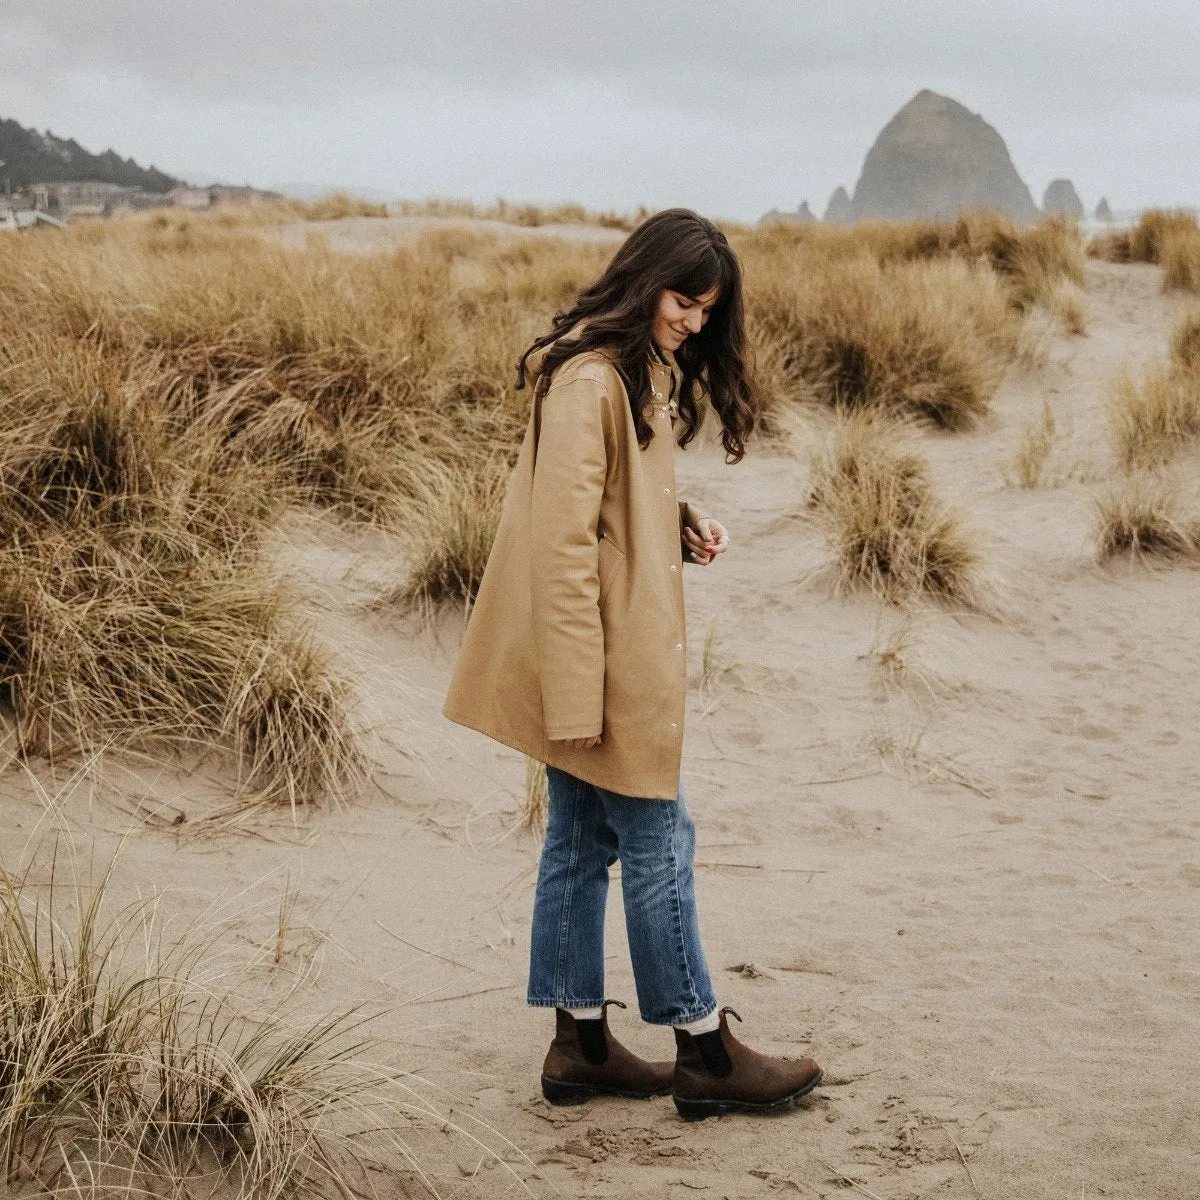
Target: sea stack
{"type": "Point", "coordinates": [839, 207]}
{"type": "Point", "coordinates": [1061, 200]}
{"type": "Point", "coordinates": [802, 215]}
{"type": "Point", "coordinates": [1103, 212]}
{"type": "Point", "coordinates": [936, 158]}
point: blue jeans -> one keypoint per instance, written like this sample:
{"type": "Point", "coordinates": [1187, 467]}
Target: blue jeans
{"type": "Point", "coordinates": [589, 829]}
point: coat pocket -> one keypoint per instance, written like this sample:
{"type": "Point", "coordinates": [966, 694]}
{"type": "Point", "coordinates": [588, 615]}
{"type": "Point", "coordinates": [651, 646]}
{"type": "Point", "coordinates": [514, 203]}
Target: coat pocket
{"type": "Point", "coordinates": [611, 562]}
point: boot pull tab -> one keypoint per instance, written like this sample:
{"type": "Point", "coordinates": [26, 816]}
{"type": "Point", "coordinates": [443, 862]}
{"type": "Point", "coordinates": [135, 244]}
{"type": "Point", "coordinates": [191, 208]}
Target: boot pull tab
{"type": "Point", "coordinates": [619, 1004]}
{"type": "Point", "coordinates": [732, 1012]}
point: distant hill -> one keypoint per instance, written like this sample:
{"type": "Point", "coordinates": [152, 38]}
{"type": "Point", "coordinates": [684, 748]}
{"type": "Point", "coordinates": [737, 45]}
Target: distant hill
{"type": "Point", "coordinates": [935, 158]}
{"type": "Point", "coordinates": [32, 157]}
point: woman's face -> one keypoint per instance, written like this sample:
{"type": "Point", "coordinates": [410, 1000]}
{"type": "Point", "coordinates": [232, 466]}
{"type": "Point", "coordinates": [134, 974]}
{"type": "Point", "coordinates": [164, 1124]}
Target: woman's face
{"type": "Point", "coordinates": [678, 316]}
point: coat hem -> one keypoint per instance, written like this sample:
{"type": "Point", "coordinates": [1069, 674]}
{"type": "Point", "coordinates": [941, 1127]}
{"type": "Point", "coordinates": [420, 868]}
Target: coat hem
{"type": "Point", "coordinates": [539, 755]}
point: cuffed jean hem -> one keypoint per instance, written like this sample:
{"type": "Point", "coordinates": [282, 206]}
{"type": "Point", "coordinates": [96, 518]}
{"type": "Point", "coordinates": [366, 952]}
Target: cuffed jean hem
{"type": "Point", "coordinates": [683, 1018]}
{"type": "Point", "coordinates": [544, 1002]}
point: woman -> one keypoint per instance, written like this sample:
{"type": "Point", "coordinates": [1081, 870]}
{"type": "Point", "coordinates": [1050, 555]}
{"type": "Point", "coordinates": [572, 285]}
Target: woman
{"type": "Point", "coordinates": [574, 655]}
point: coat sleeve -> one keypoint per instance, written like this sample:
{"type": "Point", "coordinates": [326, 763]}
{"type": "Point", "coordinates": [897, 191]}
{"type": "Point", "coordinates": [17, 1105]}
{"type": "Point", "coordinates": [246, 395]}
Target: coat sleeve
{"type": "Point", "coordinates": [568, 484]}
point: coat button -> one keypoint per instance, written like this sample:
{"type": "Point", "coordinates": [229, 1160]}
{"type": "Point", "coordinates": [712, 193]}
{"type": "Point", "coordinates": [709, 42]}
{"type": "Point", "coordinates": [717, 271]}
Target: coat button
{"type": "Point", "coordinates": [678, 645]}
{"type": "Point", "coordinates": [672, 566]}
{"type": "Point", "coordinates": [674, 725]}
{"type": "Point", "coordinates": [666, 491]}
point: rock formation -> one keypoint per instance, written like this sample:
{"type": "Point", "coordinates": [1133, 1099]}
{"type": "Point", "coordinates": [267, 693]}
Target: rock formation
{"type": "Point", "coordinates": [802, 214]}
{"type": "Point", "coordinates": [1103, 212]}
{"type": "Point", "coordinates": [935, 158]}
{"type": "Point", "coordinates": [839, 207]}
{"type": "Point", "coordinates": [1061, 200]}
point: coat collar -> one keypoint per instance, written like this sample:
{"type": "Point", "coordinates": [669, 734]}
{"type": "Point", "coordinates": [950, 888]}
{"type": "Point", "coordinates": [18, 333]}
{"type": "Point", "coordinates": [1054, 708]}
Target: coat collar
{"type": "Point", "coordinates": [667, 358]}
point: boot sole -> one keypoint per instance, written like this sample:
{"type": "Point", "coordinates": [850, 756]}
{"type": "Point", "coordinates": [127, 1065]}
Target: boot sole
{"type": "Point", "coordinates": [696, 1110]}
{"type": "Point", "coordinates": [562, 1094]}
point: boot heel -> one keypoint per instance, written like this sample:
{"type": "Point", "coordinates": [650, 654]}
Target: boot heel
{"type": "Point", "coordinates": [557, 1092]}
{"type": "Point", "coordinates": [695, 1110]}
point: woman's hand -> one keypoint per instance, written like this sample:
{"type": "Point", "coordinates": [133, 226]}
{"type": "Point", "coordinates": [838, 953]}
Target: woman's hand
{"type": "Point", "coordinates": [704, 539]}
{"type": "Point", "coordinates": [581, 743]}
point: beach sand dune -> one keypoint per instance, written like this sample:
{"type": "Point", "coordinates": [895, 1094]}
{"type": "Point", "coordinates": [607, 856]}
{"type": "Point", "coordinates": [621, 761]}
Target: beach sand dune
{"type": "Point", "coordinates": [953, 857]}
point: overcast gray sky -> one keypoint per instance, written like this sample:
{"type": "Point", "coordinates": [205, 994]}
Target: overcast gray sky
{"type": "Point", "coordinates": [732, 107]}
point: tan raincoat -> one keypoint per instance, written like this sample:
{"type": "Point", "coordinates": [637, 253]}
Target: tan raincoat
{"type": "Point", "coordinates": [578, 628]}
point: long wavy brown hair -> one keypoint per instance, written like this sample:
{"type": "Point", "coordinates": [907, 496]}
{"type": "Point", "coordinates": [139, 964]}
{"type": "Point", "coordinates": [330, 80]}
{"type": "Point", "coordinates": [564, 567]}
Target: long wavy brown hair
{"type": "Point", "coordinates": [680, 250]}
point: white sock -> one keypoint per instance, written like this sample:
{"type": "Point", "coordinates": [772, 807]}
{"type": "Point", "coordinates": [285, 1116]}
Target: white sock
{"type": "Point", "coordinates": [702, 1024]}
{"type": "Point", "coordinates": [587, 1014]}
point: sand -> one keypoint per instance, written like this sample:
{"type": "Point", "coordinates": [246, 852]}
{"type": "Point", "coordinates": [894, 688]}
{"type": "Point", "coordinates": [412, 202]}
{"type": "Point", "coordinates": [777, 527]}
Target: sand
{"type": "Point", "coordinates": [971, 892]}
{"type": "Point", "coordinates": [368, 235]}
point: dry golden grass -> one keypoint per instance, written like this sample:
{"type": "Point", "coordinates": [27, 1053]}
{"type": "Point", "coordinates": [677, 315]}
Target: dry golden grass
{"type": "Point", "coordinates": [133, 1066]}
{"type": "Point", "coordinates": [448, 533]}
{"type": "Point", "coordinates": [171, 385]}
{"type": "Point", "coordinates": [904, 757]}
{"type": "Point", "coordinates": [1067, 304]}
{"type": "Point", "coordinates": [133, 607]}
{"type": "Point", "coordinates": [1185, 344]}
{"type": "Point", "coordinates": [336, 206]}
{"type": "Point", "coordinates": [1158, 235]}
{"type": "Point", "coordinates": [1149, 236]}
{"type": "Point", "coordinates": [1180, 257]}
{"type": "Point", "coordinates": [889, 532]}
{"type": "Point", "coordinates": [923, 339]}
{"type": "Point", "coordinates": [328, 367]}
{"type": "Point", "coordinates": [1035, 264]}
{"type": "Point", "coordinates": [1031, 262]}
{"type": "Point", "coordinates": [1139, 518]}
{"type": "Point", "coordinates": [175, 381]}
{"type": "Point", "coordinates": [535, 807]}
{"type": "Point", "coordinates": [339, 205]}
{"type": "Point", "coordinates": [716, 665]}
{"type": "Point", "coordinates": [1151, 417]}
{"type": "Point", "coordinates": [1112, 246]}
{"type": "Point", "coordinates": [530, 215]}
{"type": "Point", "coordinates": [103, 648]}
{"type": "Point", "coordinates": [1034, 448]}
{"type": "Point", "coordinates": [895, 663]}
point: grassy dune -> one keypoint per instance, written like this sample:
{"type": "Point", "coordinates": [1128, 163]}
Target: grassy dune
{"type": "Point", "coordinates": [1169, 238]}
{"type": "Point", "coordinates": [915, 320]}
{"type": "Point", "coordinates": [140, 1060]}
{"type": "Point", "coordinates": [889, 531]}
{"type": "Point", "coordinates": [175, 382]}
{"type": "Point", "coordinates": [169, 387]}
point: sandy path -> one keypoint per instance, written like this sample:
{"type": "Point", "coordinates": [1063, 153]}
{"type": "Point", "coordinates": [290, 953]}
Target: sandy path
{"type": "Point", "coordinates": [971, 894]}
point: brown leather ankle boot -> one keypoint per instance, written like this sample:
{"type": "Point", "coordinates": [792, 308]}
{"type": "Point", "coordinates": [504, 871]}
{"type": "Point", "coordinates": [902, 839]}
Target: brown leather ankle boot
{"type": "Point", "coordinates": [715, 1073]}
{"type": "Point", "coordinates": [585, 1060]}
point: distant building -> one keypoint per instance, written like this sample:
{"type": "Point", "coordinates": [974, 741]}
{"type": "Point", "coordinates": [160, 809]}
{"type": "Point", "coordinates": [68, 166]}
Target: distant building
{"type": "Point", "coordinates": [15, 220]}
{"type": "Point", "coordinates": [84, 196]}
{"type": "Point", "coordinates": [85, 212]}
{"type": "Point", "coordinates": [137, 201]}
{"type": "Point", "coordinates": [90, 199]}
{"type": "Point", "coordinates": [245, 197]}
